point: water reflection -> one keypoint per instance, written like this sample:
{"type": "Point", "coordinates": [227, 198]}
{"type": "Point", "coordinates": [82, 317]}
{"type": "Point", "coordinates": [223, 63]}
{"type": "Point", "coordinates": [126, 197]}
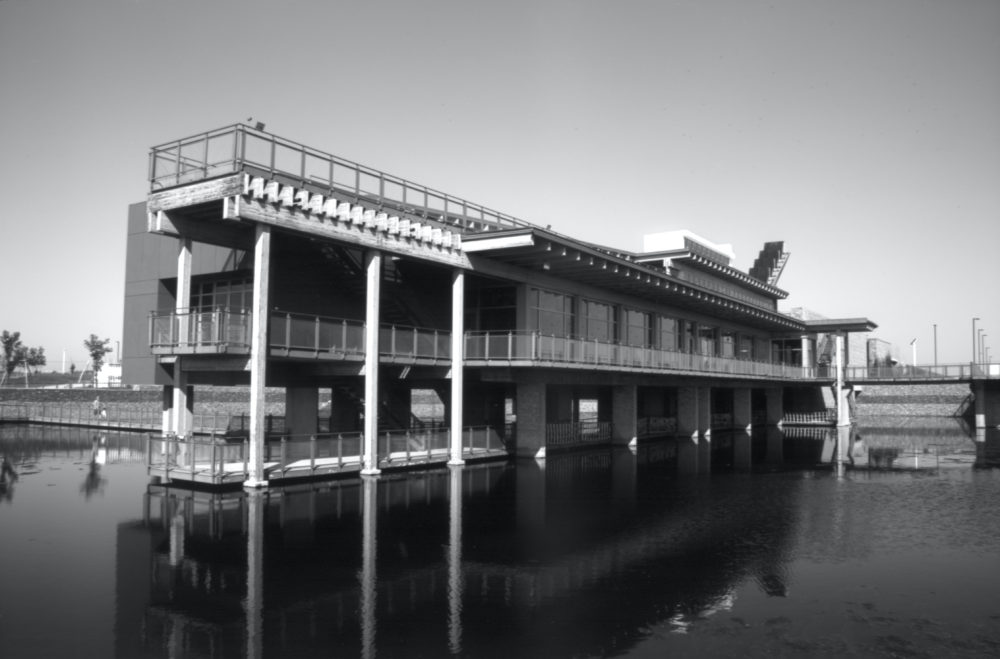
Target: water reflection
{"type": "Point", "coordinates": [8, 476]}
{"type": "Point", "coordinates": [582, 554]}
{"type": "Point", "coordinates": [448, 559]}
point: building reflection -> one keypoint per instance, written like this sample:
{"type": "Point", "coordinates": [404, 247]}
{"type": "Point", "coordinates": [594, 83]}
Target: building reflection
{"type": "Point", "coordinates": [437, 563]}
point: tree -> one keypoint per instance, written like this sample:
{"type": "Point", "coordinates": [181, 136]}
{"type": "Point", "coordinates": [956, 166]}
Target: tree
{"type": "Point", "coordinates": [34, 357]}
{"type": "Point", "coordinates": [97, 348]}
{"type": "Point", "coordinates": [12, 352]}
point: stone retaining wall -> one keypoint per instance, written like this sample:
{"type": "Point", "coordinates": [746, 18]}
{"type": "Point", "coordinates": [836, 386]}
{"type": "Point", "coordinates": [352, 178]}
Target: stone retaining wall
{"type": "Point", "coordinates": [937, 400]}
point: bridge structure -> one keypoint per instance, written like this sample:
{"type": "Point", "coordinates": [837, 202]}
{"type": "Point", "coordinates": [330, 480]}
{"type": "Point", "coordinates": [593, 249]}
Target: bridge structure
{"type": "Point", "coordinates": [256, 260]}
{"type": "Point", "coordinates": [983, 380]}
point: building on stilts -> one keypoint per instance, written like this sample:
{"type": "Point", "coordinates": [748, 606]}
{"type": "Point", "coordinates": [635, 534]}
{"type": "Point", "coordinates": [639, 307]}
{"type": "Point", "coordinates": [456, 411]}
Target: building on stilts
{"type": "Point", "coordinates": [264, 265]}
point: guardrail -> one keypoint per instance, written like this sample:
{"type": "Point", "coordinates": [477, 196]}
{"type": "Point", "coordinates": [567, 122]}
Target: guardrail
{"type": "Point", "coordinates": [536, 347]}
{"type": "Point", "coordinates": [217, 460]}
{"type": "Point", "coordinates": [923, 373]}
{"type": "Point", "coordinates": [240, 148]}
{"type": "Point", "coordinates": [184, 332]}
{"type": "Point", "coordinates": [577, 432]}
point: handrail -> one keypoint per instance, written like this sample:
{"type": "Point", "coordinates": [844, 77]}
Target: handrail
{"type": "Point", "coordinates": [241, 148]}
{"type": "Point", "coordinates": [189, 329]}
{"type": "Point", "coordinates": [923, 373]}
{"type": "Point", "coordinates": [533, 346]}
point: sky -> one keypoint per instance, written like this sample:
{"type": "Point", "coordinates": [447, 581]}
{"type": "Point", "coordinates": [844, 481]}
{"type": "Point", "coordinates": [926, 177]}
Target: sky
{"type": "Point", "coordinates": [865, 134]}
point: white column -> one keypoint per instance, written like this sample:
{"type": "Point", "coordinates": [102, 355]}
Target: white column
{"type": "Point", "coordinates": [843, 410]}
{"type": "Point", "coordinates": [373, 273]}
{"type": "Point", "coordinates": [258, 356]}
{"type": "Point", "coordinates": [807, 359]}
{"type": "Point", "coordinates": [180, 417]}
{"type": "Point", "coordinates": [182, 302]}
{"type": "Point", "coordinates": [457, 364]}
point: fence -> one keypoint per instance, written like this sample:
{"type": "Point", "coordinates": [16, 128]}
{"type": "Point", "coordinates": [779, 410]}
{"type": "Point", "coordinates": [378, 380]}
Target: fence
{"type": "Point", "coordinates": [536, 347]}
{"type": "Point", "coordinates": [577, 432]}
{"type": "Point", "coordinates": [240, 148]}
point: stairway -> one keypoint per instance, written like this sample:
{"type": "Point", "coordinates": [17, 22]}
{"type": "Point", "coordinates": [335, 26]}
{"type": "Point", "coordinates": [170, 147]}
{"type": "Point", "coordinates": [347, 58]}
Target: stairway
{"type": "Point", "coordinates": [770, 263]}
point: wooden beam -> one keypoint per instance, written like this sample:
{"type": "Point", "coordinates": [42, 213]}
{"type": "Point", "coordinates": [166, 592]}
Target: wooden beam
{"type": "Point", "coordinates": [196, 193]}
{"type": "Point", "coordinates": [200, 231]}
{"type": "Point", "coordinates": [351, 233]}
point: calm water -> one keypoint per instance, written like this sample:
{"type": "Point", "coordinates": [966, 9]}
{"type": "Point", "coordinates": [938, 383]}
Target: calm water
{"type": "Point", "coordinates": [776, 552]}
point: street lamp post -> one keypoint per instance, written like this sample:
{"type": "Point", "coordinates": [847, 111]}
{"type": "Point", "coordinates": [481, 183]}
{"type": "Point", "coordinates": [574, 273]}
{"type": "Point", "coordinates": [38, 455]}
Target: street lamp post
{"type": "Point", "coordinates": [982, 346]}
{"type": "Point", "coordinates": [935, 345]}
{"type": "Point", "coordinates": [974, 340]}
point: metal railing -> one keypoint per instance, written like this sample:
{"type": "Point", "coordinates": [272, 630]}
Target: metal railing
{"type": "Point", "coordinates": [656, 425]}
{"type": "Point", "coordinates": [178, 332]}
{"type": "Point", "coordinates": [216, 329]}
{"type": "Point", "coordinates": [316, 334]}
{"type": "Point", "coordinates": [216, 460]}
{"type": "Point", "coordinates": [533, 346]}
{"type": "Point", "coordinates": [923, 373]}
{"type": "Point", "coordinates": [240, 148]}
{"type": "Point", "coordinates": [577, 432]}
{"type": "Point", "coordinates": [113, 415]}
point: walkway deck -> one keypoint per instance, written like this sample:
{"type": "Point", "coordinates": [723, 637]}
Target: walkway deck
{"type": "Point", "coordinates": [217, 462]}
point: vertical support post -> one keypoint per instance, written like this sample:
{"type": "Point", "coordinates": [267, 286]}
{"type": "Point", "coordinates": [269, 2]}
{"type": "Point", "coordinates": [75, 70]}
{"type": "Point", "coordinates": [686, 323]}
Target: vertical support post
{"type": "Point", "coordinates": [167, 416]}
{"type": "Point", "coordinates": [625, 415]}
{"type": "Point", "coordinates": [373, 273]}
{"type": "Point", "coordinates": [457, 364]}
{"type": "Point", "coordinates": [705, 429]}
{"type": "Point", "coordinates": [774, 400]}
{"type": "Point", "coordinates": [182, 303]}
{"type": "Point", "coordinates": [843, 410]}
{"type": "Point", "coordinates": [742, 409]}
{"type": "Point", "coordinates": [688, 433]}
{"type": "Point", "coordinates": [531, 422]}
{"type": "Point", "coordinates": [258, 357]}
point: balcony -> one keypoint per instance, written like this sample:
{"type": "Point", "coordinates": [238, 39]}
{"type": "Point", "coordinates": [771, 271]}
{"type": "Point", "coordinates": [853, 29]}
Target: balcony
{"type": "Point", "coordinates": [241, 149]}
{"type": "Point", "coordinates": [303, 336]}
{"type": "Point", "coordinates": [292, 335]}
{"type": "Point", "coordinates": [527, 348]}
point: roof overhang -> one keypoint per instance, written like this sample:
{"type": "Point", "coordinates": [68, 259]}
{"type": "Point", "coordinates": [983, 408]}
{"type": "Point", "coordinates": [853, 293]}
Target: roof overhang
{"type": "Point", "coordinates": [541, 251]}
{"type": "Point", "coordinates": [834, 325]}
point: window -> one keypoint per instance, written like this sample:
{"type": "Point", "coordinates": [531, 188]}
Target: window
{"type": "Point", "coordinates": [669, 338]}
{"type": "Point", "coordinates": [638, 328]}
{"type": "Point", "coordinates": [550, 313]}
{"type": "Point", "coordinates": [598, 321]}
{"type": "Point", "coordinates": [708, 340]}
{"type": "Point", "coordinates": [231, 294]}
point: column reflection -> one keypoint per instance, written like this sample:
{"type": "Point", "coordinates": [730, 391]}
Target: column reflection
{"type": "Point", "coordinates": [456, 582]}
